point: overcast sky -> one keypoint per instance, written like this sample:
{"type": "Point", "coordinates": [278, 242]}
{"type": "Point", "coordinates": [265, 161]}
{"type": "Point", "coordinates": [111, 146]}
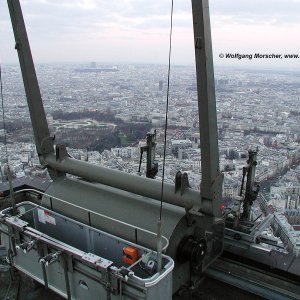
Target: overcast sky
{"type": "Point", "coordinates": [137, 30]}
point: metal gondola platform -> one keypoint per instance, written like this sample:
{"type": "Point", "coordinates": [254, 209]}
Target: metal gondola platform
{"type": "Point", "coordinates": [78, 261]}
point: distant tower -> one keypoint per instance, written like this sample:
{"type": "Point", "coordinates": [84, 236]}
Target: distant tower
{"type": "Point", "coordinates": [160, 85]}
{"type": "Point", "coordinates": [93, 64]}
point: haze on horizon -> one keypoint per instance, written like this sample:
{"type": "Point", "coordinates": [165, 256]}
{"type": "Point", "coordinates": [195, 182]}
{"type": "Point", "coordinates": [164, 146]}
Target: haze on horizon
{"type": "Point", "coordinates": [137, 31]}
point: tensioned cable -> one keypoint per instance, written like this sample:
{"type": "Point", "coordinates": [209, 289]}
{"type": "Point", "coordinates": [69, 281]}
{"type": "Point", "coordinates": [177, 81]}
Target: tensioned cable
{"type": "Point", "coordinates": [3, 112]}
{"type": "Point", "coordinates": [159, 231]}
{"type": "Point", "coordinates": [167, 109]}
{"type": "Point", "coordinates": [5, 145]}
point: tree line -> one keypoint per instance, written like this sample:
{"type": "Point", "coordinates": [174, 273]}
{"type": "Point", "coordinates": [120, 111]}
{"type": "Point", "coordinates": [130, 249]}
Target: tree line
{"type": "Point", "coordinates": [97, 139]}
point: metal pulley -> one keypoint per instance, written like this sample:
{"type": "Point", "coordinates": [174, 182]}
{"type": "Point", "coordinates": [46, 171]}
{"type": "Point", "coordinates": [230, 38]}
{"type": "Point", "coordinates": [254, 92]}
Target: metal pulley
{"type": "Point", "coordinates": [192, 250]}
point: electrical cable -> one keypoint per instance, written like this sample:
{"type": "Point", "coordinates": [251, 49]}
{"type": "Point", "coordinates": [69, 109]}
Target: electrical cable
{"type": "Point", "coordinates": [167, 110]}
{"type": "Point", "coordinates": [159, 222]}
{"type": "Point", "coordinates": [5, 146]}
{"type": "Point", "coordinates": [7, 291]}
{"type": "Point", "coordinates": [3, 112]}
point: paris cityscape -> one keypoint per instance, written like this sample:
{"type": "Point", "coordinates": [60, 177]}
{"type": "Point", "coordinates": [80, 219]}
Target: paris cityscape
{"type": "Point", "coordinates": [150, 150]}
{"type": "Point", "coordinates": [103, 113]}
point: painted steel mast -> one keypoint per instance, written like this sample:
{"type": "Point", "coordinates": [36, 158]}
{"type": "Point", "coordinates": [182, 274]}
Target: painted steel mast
{"type": "Point", "coordinates": [59, 162]}
{"type": "Point", "coordinates": [127, 205]}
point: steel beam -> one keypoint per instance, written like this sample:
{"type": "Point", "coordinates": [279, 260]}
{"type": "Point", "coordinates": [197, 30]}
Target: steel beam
{"type": "Point", "coordinates": [131, 183]}
{"type": "Point", "coordinates": [44, 144]}
{"type": "Point", "coordinates": [253, 280]}
{"type": "Point", "coordinates": [211, 178]}
{"type": "Point", "coordinates": [211, 184]}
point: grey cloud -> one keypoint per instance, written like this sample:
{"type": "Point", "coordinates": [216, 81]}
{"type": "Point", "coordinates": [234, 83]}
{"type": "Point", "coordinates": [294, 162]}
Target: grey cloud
{"type": "Point", "coordinates": [54, 21]}
{"type": "Point", "coordinates": [57, 20]}
{"type": "Point", "coordinates": [257, 11]}
{"type": "Point", "coordinates": [69, 16]}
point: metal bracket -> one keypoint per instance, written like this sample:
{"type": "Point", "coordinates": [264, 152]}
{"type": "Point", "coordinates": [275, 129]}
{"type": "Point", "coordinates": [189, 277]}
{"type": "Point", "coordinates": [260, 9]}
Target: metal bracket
{"type": "Point", "coordinates": [198, 42]}
{"type": "Point", "coordinates": [26, 246]}
{"type": "Point", "coordinates": [41, 252]}
{"type": "Point", "coordinates": [61, 152]}
{"type": "Point", "coordinates": [18, 46]}
{"type": "Point", "coordinates": [212, 206]}
{"type": "Point", "coordinates": [217, 185]}
{"type": "Point", "coordinates": [16, 223]}
{"type": "Point", "coordinates": [189, 217]}
{"type": "Point", "coordinates": [181, 182]}
{"type": "Point", "coordinates": [50, 258]}
{"type": "Point", "coordinates": [67, 281]}
{"type": "Point", "coordinates": [97, 261]}
{"type": "Point", "coordinates": [47, 144]}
